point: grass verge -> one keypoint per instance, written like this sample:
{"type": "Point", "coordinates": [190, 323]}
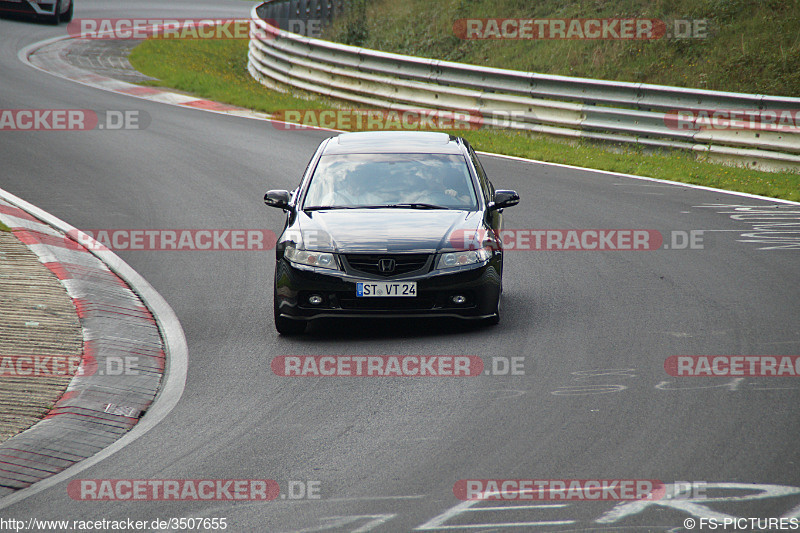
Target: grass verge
{"type": "Point", "coordinates": [217, 69]}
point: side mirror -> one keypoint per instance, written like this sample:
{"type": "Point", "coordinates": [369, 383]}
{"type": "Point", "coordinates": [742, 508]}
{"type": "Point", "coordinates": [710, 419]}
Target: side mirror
{"type": "Point", "coordinates": [503, 199]}
{"type": "Point", "coordinates": [278, 198]}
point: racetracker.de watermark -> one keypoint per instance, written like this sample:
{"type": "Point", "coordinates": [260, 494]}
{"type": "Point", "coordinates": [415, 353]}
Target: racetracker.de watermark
{"type": "Point", "coordinates": [173, 489]}
{"type": "Point", "coordinates": [176, 239]}
{"type": "Point", "coordinates": [580, 239]}
{"type": "Point", "coordinates": [779, 120]}
{"type": "Point", "coordinates": [626, 29]}
{"type": "Point", "coordinates": [156, 28]}
{"type": "Point", "coordinates": [47, 366]}
{"type": "Point", "coordinates": [733, 365]}
{"type": "Point", "coordinates": [376, 119]}
{"type": "Point", "coordinates": [50, 366]}
{"type": "Point", "coordinates": [509, 239]}
{"type": "Point", "coordinates": [73, 119]}
{"type": "Point", "coordinates": [559, 489]}
{"type": "Point", "coordinates": [182, 28]}
{"type": "Point", "coordinates": [393, 366]}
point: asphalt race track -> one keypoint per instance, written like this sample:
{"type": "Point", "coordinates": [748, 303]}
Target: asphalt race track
{"type": "Point", "coordinates": [594, 329]}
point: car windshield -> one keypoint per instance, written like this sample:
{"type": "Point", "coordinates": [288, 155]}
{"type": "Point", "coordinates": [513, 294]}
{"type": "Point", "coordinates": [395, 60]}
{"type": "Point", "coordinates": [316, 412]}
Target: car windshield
{"type": "Point", "coordinates": [399, 180]}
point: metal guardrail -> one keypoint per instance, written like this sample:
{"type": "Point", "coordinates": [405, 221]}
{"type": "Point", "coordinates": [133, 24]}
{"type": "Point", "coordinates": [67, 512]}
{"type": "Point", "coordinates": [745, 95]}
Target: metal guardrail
{"type": "Point", "coordinates": [292, 15]}
{"type": "Point", "coordinates": [556, 105]}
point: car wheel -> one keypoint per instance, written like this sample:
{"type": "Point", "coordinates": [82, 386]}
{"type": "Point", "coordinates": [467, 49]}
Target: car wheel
{"type": "Point", "coordinates": [287, 326]}
{"type": "Point", "coordinates": [67, 17]}
{"type": "Point", "coordinates": [55, 18]}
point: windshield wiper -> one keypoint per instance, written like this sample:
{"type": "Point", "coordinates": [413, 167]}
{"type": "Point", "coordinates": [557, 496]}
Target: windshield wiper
{"type": "Point", "coordinates": [414, 205]}
{"type": "Point", "coordinates": [326, 207]}
{"type": "Point", "coordinates": [380, 206]}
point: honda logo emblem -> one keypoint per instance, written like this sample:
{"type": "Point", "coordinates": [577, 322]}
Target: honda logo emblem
{"type": "Point", "coordinates": [386, 266]}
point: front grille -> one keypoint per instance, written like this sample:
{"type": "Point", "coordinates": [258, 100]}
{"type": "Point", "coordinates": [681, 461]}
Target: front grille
{"type": "Point", "coordinates": [403, 263]}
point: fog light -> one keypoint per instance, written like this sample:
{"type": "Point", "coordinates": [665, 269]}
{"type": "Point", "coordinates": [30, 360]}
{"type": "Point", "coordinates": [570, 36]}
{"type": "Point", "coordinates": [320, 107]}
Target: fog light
{"type": "Point", "coordinates": [458, 299]}
{"type": "Point", "coordinates": [315, 299]}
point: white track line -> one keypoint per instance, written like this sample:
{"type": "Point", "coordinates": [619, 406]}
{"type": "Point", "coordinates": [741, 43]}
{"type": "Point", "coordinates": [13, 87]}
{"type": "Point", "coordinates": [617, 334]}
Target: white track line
{"type": "Point", "coordinates": [645, 178]}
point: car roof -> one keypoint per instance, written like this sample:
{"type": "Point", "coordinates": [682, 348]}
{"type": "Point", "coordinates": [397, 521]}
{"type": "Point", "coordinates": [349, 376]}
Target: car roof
{"type": "Point", "coordinates": [382, 142]}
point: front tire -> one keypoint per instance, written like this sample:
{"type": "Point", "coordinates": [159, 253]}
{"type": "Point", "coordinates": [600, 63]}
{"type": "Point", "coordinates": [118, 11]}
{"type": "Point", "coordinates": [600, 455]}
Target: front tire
{"type": "Point", "coordinates": [55, 18]}
{"type": "Point", "coordinates": [494, 320]}
{"type": "Point", "coordinates": [286, 326]}
{"type": "Point", "coordinates": [67, 17]}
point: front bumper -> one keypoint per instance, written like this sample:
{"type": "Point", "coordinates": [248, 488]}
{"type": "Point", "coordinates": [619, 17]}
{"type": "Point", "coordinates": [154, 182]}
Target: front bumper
{"type": "Point", "coordinates": [25, 7]}
{"type": "Point", "coordinates": [294, 284]}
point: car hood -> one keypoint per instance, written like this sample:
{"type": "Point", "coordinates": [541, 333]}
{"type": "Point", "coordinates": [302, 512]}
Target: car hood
{"type": "Point", "coordinates": [383, 230]}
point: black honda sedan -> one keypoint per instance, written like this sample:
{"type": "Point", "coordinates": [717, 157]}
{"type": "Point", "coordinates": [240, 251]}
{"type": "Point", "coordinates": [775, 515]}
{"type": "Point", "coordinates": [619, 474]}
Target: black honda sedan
{"type": "Point", "coordinates": [390, 224]}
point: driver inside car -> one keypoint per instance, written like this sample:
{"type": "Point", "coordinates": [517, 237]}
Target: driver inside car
{"type": "Point", "coordinates": [447, 187]}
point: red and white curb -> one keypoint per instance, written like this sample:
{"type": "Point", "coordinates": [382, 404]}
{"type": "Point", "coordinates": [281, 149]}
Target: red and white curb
{"type": "Point", "coordinates": [48, 56]}
{"type": "Point", "coordinates": [126, 327]}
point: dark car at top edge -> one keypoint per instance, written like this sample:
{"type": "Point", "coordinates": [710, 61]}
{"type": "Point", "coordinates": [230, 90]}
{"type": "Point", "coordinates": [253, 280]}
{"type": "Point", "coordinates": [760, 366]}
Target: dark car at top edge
{"type": "Point", "coordinates": [390, 224]}
{"type": "Point", "coordinates": [53, 11]}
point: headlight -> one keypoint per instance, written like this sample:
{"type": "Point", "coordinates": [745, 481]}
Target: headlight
{"type": "Point", "coordinates": [469, 257]}
{"type": "Point", "coordinates": [306, 257]}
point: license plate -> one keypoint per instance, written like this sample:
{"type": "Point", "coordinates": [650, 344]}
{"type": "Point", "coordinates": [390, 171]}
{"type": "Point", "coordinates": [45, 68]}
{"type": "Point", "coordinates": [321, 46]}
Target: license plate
{"type": "Point", "coordinates": [377, 289]}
